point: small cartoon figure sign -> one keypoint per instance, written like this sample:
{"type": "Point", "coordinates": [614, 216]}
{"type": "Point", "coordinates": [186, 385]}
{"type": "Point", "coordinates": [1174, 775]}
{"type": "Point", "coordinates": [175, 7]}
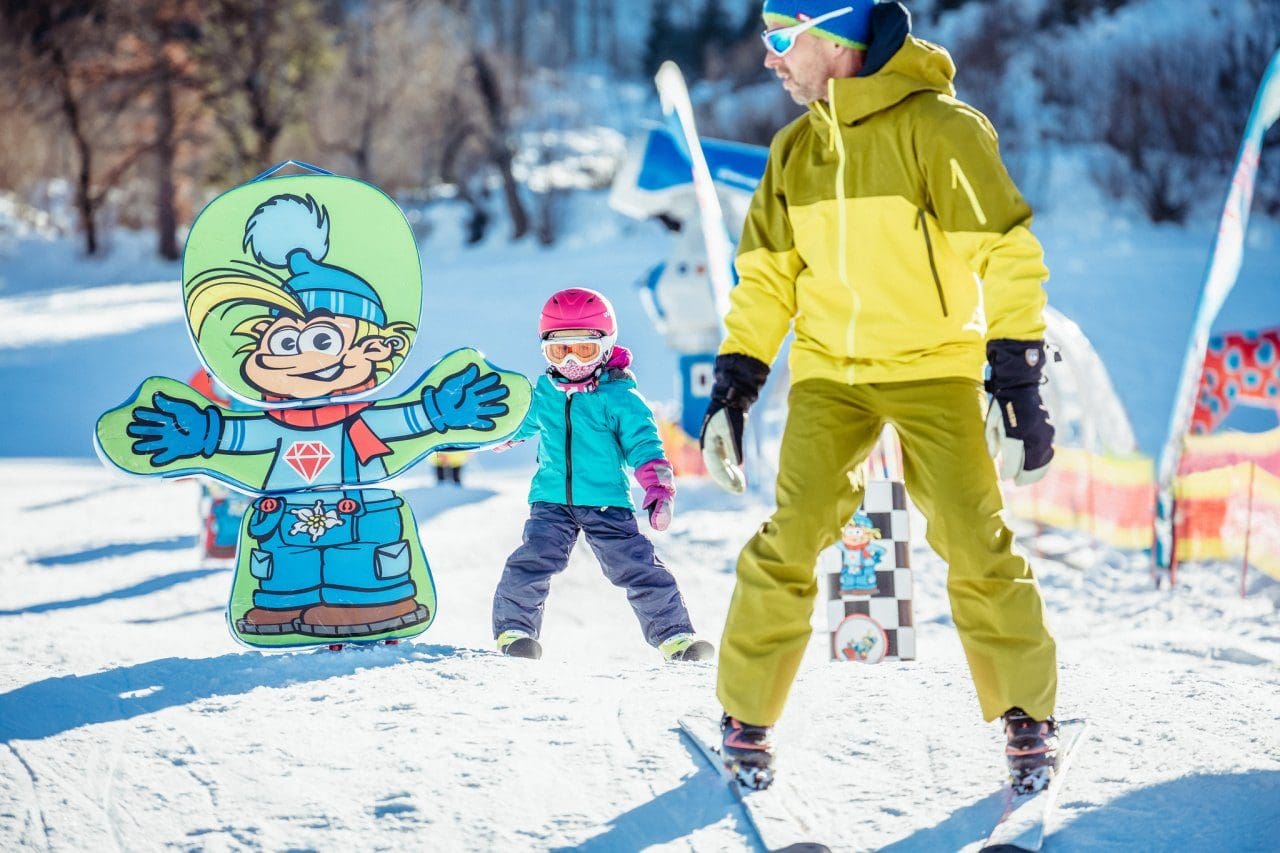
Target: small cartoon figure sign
{"type": "Point", "coordinates": [859, 555]}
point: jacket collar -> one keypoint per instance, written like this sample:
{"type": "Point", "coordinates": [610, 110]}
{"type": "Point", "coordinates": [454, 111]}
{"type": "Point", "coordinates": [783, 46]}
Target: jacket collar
{"type": "Point", "coordinates": [918, 66]}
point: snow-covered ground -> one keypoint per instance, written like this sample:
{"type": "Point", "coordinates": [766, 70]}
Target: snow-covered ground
{"type": "Point", "coordinates": [130, 719]}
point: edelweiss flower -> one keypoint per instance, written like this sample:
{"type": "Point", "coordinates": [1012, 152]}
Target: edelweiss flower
{"type": "Point", "coordinates": [314, 521]}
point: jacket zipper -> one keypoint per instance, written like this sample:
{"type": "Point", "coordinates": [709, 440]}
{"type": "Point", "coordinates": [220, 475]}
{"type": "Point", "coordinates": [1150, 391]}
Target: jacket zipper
{"type": "Point", "coordinates": [836, 143]}
{"type": "Point", "coordinates": [923, 225]}
{"type": "Point", "coordinates": [568, 449]}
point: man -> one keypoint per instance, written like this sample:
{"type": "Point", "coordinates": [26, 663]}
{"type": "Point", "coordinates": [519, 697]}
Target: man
{"type": "Point", "coordinates": [887, 229]}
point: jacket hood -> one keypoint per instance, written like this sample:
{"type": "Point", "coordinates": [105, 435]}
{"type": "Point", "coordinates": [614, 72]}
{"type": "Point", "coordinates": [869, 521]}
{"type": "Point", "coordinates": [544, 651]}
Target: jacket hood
{"type": "Point", "coordinates": [620, 359]}
{"type": "Point", "coordinates": [917, 66]}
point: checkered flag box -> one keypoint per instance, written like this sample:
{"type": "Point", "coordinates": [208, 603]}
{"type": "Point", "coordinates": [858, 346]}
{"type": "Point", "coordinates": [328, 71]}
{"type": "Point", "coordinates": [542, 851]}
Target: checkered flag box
{"type": "Point", "coordinates": [872, 625]}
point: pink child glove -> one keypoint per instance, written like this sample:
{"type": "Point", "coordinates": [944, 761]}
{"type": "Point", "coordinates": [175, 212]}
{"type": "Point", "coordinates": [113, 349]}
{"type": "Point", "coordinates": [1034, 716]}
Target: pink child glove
{"type": "Point", "coordinates": [659, 484]}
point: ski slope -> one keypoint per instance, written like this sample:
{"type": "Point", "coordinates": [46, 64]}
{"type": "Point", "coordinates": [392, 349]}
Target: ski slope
{"type": "Point", "coordinates": [130, 720]}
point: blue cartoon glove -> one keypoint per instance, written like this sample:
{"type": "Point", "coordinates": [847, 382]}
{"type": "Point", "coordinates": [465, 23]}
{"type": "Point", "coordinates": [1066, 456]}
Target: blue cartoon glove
{"type": "Point", "coordinates": [466, 400]}
{"type": "Point", "coordinates": [175, 429]}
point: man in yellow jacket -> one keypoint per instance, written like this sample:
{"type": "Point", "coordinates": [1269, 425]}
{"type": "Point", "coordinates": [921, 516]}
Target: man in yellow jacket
{"type": "Point", "coordinates": [887, 232]}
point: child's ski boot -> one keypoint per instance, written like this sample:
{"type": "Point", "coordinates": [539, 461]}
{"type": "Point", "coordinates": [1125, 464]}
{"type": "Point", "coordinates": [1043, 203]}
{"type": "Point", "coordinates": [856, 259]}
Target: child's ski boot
{"type": "Point", "coordinates": [1031, 751]}
{"type": "Point", "coordinates": [686, 647]}
{"type": "Point", "coordinates": [518, 644]}
{"type": "Point", "coordinates": [747, 751]}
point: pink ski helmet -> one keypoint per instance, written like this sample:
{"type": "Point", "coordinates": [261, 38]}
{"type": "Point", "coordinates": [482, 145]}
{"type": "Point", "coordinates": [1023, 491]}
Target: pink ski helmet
{"type": "Point", "coordinates": [578, 308]}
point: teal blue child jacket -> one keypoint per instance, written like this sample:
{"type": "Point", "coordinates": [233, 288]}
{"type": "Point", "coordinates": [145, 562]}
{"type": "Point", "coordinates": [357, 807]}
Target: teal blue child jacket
{"type": "Point", "coordinates": [585, 439]}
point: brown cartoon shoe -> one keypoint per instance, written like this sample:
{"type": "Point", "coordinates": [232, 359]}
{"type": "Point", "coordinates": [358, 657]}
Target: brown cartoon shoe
{"type": "Point", "coordinates": [336, 620]}
{"type": "Point", "coordinates": [261, 620]}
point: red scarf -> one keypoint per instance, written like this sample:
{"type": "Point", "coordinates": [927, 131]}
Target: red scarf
{"type": "Point", "coordinates": [363, 439]}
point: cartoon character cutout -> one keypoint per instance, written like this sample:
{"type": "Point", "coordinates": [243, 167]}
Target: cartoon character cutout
{"type": "Point", "coordinates": [285, 326]}
{"type": "Point", "coordinates": [859, 555]}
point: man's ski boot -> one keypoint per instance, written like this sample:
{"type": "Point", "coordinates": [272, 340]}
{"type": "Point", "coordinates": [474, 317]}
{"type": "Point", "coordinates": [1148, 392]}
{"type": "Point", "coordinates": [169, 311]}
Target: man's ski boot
{"type": "Point", "coordinates": [518, 644]}
{"type": "Point", "coordinates": [686, 647]}
{"type": "Point", "coordinates": [1032, 750]}
{"type": "Point", "coordinates": [747, 752]}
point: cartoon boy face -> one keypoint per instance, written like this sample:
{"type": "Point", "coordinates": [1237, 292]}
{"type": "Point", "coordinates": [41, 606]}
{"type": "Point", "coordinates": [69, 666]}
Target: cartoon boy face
{"type": "Point", "coordinates": [317, 356]}
{"type": "Point", "coordinates": [855, 536]}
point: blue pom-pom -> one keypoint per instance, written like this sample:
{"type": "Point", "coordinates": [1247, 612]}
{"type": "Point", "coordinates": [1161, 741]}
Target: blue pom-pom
{"type": "Point", "coordinates": [286, 223]}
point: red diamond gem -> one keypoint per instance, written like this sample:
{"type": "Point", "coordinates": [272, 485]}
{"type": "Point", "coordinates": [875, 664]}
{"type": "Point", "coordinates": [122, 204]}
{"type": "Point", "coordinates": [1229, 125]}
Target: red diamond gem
{"type": "Point", "coordinates": [308, 458]}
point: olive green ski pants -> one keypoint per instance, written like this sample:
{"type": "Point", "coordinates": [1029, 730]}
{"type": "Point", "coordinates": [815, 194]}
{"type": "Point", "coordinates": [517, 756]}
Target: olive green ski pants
{"type": "Point", "coordinates": [995, 602]}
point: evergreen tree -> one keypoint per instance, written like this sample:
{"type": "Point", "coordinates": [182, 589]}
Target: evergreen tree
{"type": "Point", "coordinates": [661, 38]}
{"type": "Point", "coordinates": [713, 29]}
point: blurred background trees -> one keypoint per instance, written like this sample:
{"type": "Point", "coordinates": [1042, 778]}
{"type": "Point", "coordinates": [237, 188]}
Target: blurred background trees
{"type": "Point", "coordinates": [135, 113]}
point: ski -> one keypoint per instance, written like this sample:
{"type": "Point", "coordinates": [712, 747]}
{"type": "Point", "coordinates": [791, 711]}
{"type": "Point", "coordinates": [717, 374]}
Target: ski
{"type": "Point", "coordinates": [775, 828]}
{"type": "Point", "coordinates": [1021, 828]}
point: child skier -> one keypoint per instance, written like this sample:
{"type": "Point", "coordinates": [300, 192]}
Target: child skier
{"type": "Point", "coordinates": [590, 421]}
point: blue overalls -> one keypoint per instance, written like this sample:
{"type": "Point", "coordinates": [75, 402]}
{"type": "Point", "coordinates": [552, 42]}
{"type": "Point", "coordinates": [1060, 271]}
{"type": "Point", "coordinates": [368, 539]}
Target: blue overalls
{"type": "Point", "coordinates": [325, 545]}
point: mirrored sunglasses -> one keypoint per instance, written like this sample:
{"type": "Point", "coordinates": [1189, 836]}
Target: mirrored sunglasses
{"type": "Point", "coordinates": [780, 41]}
{"type": "Point", "coordinates": [557, 351]}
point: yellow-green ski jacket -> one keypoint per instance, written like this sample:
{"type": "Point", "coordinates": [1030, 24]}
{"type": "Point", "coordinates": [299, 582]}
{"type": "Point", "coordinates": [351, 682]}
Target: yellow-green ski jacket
{"type": "Point", "coordinates": [888, 230]}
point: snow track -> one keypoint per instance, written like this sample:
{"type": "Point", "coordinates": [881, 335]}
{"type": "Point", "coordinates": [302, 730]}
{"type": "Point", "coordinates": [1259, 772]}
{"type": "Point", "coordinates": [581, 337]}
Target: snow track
{"type": "Point", "coordinates": [22, 817]}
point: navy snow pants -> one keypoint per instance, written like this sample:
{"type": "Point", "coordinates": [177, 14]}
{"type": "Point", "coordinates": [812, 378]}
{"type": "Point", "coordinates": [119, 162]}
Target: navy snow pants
{"type": "Point", "coordinates": [625, 555]}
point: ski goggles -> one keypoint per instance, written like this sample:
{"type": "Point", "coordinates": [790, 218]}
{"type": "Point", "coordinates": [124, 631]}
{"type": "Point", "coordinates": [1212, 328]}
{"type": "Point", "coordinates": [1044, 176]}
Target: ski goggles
{"type": "Point", "coordinates": [780, 41]}
{"type": "Point", "coordinates": [584, 350]}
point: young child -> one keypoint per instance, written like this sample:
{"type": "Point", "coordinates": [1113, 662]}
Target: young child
{"type": "Point", "coordinates": [591, 421]}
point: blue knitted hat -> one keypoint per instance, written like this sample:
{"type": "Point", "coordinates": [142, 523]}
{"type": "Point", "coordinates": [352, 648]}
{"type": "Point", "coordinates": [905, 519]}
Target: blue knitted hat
{"type": "Point", "coordinates": [289, 232]}
{"type": "Point", "coordinates": [852, 29]}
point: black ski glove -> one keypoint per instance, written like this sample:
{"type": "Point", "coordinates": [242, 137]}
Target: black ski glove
{"type": "Point", "coordinates": [738, 380]}
{"type": "Point", "coordinates": [1018, 426]}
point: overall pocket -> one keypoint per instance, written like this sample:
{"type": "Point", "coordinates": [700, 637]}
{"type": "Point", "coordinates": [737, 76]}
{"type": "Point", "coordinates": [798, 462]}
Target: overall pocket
{"type": "Point", "coordinates": [261, 565]}
{"type": "Point", "coordinates": [392, 560]}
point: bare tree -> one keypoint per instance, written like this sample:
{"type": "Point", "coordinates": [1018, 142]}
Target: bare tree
{"type": "Point", "coordinates": [501, 152]}
{"type": "Point", "coordinates": [261, 61]}
{"type": "Point", "coordinates": [484, 81]}
{"type": "Point", "coordinates": [77, 74]}
{"type": "Point", "coordinates": [387, 101]}
{"type": "Point", "coordinates": [158, 41]}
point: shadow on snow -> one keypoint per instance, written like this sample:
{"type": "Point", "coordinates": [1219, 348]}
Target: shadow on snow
{"type": "Point", "coordinates": [429, 501]}
{"type": "Point", "coordinates": [1234, 811]}
{"type": "Point", "coordinates": [1237, 811]}
{"type": "Point", "coordinates": [119, 549]}
{"type": "Point", "coordinates": [56, 705]}
{"type": "Point", "coordinates": [139, 589]}
{"type": "Point", "coordinates": [700, 800]}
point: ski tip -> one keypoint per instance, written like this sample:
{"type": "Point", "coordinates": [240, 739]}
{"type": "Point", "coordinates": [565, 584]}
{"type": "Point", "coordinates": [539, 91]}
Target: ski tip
{"type": "Point", "coordinates": [1004, 848]}
{"type": "Point", "coordinates": [803, 847]}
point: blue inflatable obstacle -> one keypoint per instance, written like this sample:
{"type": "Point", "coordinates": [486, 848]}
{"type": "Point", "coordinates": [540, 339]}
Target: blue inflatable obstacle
{"type": "Point", "coordinates": [656, 182]}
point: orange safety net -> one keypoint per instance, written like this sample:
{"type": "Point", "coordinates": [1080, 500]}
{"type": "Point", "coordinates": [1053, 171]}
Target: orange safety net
{"type": "Point", "coordinates": [1223, 449]}
{"type": "Point", "coordinates": [682, 451]}
{"type": "Point", "coordinates": [1227, 500]}
{"type": "Point", "coordinates": [1112, 498]}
